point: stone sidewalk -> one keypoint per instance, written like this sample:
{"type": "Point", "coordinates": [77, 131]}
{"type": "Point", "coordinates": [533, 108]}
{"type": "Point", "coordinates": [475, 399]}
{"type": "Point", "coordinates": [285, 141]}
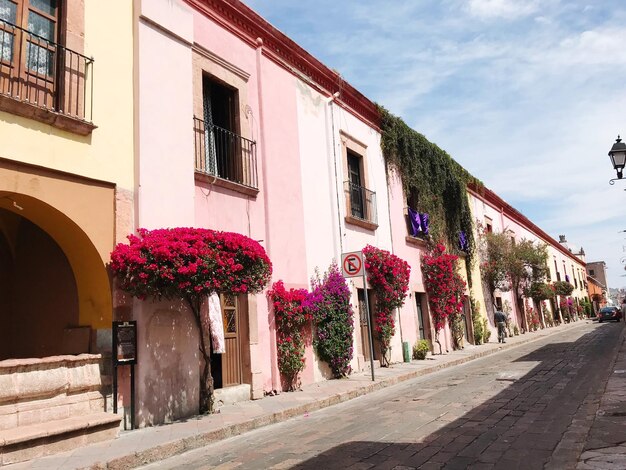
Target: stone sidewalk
{"type": "Point", "coordinates": [606, 442]}
{"type": "Point", "coordinates": [143, 446]}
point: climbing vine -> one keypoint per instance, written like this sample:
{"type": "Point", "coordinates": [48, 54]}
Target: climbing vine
{"type": "Point", "coordinates": [439, 182]}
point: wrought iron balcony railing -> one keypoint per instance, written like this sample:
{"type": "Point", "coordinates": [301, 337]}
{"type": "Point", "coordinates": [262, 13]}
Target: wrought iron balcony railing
{"type": "Point", "coordinates": [222, 153]}
{"type": "Point", "coordinates": [44, 73]}
{"type": "Point", "coordinates": [362, 202]}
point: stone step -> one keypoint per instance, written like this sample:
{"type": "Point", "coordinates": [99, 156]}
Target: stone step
{"type": "Point", "coordinates": [37, 440]}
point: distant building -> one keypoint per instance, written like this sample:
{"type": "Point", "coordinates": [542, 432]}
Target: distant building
{"type": "Point", "coordinates": [597, 270]}
{"type": "Point", "coordinates": [597, 293]}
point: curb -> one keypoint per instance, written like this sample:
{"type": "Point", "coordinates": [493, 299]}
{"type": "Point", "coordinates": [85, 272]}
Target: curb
{"type": "Point", "coordinates": [171, 449]}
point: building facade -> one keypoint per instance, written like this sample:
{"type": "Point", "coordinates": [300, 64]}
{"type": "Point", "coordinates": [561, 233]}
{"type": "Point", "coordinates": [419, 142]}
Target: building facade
{"type": "Point", "coordinates": [66, 198]}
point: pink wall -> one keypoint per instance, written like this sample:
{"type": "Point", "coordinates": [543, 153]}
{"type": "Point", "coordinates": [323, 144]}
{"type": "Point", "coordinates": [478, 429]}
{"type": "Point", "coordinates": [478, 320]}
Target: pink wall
{"type": "Point", "coordinates": [165, 125]}
{"type": "Point", "coordinates": [480, 210]}
{"type": "Point", "coordinates": [411, 254]}
{"type": "Point", "coordinates": [275, 216]}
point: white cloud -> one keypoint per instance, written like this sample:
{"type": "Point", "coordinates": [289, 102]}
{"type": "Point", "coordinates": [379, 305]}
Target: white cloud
{"type": "Point", "coordinates": [543, 20]}
{"type": "Point", "coordinates": [507, 9]}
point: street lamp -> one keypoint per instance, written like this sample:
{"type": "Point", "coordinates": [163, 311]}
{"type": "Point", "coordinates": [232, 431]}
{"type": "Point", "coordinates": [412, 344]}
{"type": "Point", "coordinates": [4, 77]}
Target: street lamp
{"type": "Point", "coordinates": [618, 158]}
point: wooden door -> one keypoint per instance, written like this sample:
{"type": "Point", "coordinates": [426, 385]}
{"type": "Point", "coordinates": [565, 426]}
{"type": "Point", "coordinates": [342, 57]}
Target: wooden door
{"type": "Point", "coordinates": [421, 333]}
{"type": "Point", "coordinates": [365, 344]}
{"type": "Point", "coordinates": [231, 359]}
{"type": "Point", "coordinates": [467, 321]}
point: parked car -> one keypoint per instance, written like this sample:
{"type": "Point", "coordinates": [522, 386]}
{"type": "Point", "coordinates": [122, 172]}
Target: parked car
{"type": "Point", "coordinates": [609, 313]}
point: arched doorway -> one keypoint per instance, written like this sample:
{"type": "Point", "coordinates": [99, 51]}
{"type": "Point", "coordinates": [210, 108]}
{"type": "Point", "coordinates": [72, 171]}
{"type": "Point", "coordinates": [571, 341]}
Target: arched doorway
{"type": "Point", "coordinates": [38, 295]}
{"type": "Point", "coordinates": [54, 288]}
{"type": "Point", "coordinates": [56, 233]}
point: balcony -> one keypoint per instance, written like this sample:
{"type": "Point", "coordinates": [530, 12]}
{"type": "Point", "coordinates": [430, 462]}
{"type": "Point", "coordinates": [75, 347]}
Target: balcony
{"type": "Point", "coordinates": [361, 203]}
{"type": "Point", "coordinates": [222, 154]}
{"type": "Point", "coordinates": [45, 81]}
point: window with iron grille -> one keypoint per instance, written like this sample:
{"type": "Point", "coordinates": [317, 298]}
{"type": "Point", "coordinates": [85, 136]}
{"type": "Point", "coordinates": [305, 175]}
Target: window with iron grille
{"type": "Point", "coordinates": [220, 150]}
{"type": "Point", "coordinates": [360, 201]}
{"type": "Point", "coordinates": [357, 205]}
{"type": "Point", "coordinates": [35, 67]}
{"type": "Point", "coordinates": [556, 270]}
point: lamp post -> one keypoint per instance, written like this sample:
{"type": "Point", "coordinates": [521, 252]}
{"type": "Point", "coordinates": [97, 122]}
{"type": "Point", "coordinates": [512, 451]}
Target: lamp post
{"type": "Point", "coordinates": [618, 158]}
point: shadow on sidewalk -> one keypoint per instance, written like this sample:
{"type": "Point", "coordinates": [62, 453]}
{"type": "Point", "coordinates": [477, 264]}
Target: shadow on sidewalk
{"type": "Point", "coordinates": [542, 418]}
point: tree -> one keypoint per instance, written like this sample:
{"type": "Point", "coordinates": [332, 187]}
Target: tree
{"type": "Point", "coordinates": [494, 252]}
{"type": "Point", "coordinates": [563, 288]}
{"type": "Point", "coordinates": [539, 291]}
{"type": "Point", "coordinates": [191, 264]}
{"type": "Point", "coordinates": [526, 263]}
{"type": "Point", "coordinates": [507, 265]}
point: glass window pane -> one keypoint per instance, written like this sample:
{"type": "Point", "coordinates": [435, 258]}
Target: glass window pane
{"type": "Point", "coordinates": [7, 11]}
{"type": "Point", "coordinates": [41, 26]}
{"type": "Point", "coordinates": [47, 6]}
{"type": "Point", "coordinates": [229, 300]}
{"type": "Point", "coordinates": [6, 46]}
{"type": "Point", "coordinates": [231, 321]}
{"type": "Point", "coordinates": [39, 59]}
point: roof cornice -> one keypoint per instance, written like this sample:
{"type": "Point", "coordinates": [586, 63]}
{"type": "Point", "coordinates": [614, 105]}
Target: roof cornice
{"type": "Point", "coordinates": [254, 30]}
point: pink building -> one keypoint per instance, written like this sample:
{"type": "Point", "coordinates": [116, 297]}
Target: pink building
{"type": "Point", "coordinates": [254, 136]}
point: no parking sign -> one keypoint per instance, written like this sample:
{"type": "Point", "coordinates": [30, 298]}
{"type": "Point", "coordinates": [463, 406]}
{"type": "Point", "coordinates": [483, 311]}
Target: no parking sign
{"type": "Point", "coordinates": [352, 264]}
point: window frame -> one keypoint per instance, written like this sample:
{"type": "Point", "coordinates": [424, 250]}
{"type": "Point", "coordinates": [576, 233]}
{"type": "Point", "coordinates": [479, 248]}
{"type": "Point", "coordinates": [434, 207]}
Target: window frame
{"type": "Point", "coordinates": [353, 147]}
{"type": "Point", "coordinates": [488, 225]}
{"type": "Point", "coordinates": [63, 98]}
{"type": "Point", "coordinates": [206, 63]}
{"type": "Point", "coordinates": [20, 50]}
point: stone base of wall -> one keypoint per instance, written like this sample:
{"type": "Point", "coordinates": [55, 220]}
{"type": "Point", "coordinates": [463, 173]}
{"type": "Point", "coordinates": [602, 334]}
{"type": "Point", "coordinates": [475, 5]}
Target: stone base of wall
{"type": "Point", "coordinates": [231, 395]}
{"type": "Point", "coordinates": [31, 442]}
{"type": "Point", "coordinates": [50, 405]}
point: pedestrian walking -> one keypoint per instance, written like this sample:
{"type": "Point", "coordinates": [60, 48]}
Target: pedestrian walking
{"type": "Point", "coordinates": [500, 319]}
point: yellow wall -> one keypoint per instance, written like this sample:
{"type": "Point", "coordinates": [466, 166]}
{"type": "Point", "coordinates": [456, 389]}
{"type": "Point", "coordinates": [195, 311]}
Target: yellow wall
{"type": "Point", "coordinates": [86, 218]}
{"type": "Point", "coordinates": [107, 154]}
{"type": "Point", "coordinates": [80, 217]}
{"type": "Point", "coordinates": [477, 291]}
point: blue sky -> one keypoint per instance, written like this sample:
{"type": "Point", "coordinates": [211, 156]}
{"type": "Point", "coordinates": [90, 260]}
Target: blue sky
{"type": "Point", "coordinates": [528, 95]}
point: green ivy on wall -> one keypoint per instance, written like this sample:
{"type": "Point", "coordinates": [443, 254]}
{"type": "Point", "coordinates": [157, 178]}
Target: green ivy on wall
{"type": "Point", "coordinates": [439, 182]}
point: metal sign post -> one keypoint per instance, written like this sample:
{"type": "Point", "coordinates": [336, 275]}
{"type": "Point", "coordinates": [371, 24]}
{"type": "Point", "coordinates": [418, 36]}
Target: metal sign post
{"type": "Point", "coordinates": [369, 324]}
{"type": "Point", "coordinates": [352, 266]}
{"type": "Point", "coordinates": [125, 353]}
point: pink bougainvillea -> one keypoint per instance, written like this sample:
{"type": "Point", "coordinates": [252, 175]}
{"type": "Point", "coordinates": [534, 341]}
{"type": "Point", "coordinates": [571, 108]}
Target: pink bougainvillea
{"type": "Point", "coordinates": [190, 263]}
{"type": "Point", "coordinates": [389, 277]}
{"type": "Point", "coordinates": [444, 286]}
{"type": "Point", "coordinates": [292, 318]}
{"type": "Point", "coordinates": [177, 262]}
{"type": "Point", "coordinates": [329, 304]}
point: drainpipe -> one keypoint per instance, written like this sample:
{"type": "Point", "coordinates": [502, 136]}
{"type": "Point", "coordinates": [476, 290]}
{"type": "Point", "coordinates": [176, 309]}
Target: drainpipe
{"type": "Point", "coordinates": [272, 323]}
{"type": "Point", "coordinates": [329, 115]}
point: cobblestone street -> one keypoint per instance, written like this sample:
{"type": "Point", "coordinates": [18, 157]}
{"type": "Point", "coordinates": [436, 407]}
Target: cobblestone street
{"type": "Point", "coordinates": [530, 407]}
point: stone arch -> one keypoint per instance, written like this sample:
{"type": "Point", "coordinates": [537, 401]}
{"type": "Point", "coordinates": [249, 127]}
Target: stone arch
{"type": "Point", "coordinates": [77, 215]}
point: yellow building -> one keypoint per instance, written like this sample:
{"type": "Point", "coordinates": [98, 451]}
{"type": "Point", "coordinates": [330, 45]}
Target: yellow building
{"type": "Point", "coordinates": [66, 179]}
